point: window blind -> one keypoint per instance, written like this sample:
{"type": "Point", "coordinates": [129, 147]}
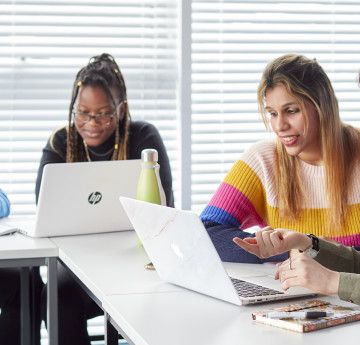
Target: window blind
{"type": "Point", "coordinates": [42, 46]}
{"type": "Point", "coordinates": [44, 43]}
{"type": "Point", "coordinates": [232, 41]}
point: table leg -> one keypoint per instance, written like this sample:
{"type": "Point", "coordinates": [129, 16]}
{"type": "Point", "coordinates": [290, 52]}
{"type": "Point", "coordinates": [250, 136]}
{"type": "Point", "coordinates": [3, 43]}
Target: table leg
{"type": "Point", "coordinates": [111, 334]}
{"type": "Point", "coordinates": [52, 302]}
{"type": "Point", "coordinates": [25, 306]}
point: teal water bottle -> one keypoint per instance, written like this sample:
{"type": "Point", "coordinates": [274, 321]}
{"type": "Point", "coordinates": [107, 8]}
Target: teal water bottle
{"type": "Point", "coordinates": [149, 186]}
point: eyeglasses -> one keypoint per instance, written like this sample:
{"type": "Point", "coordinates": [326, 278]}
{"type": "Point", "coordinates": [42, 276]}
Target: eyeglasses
{"type": "Point", "coordinates": [100, 119]}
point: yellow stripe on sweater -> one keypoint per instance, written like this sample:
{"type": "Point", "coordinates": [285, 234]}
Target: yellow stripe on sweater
{"type": "Point", "coordinates": [314, 221]}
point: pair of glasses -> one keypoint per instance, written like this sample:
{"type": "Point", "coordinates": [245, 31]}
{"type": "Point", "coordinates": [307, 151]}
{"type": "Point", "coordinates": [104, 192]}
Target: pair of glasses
{"type": "Point", "coordinates": [100, 119]}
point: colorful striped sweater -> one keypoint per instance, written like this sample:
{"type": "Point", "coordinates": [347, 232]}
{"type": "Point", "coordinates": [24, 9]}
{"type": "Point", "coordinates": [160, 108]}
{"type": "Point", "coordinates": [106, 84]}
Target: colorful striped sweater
{"type": "Point", "coordinates": [248, 197]}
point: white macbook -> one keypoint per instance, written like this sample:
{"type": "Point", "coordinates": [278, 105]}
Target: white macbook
{"type": "Point", "coordinates": [183, 254]}
{"type": "Point", "coordinates": [81, 198]}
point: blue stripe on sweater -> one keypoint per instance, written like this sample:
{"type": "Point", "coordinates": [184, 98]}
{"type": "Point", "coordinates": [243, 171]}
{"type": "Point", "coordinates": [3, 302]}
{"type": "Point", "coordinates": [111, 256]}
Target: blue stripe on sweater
{"type": "Point", "coordinates": [215, 214]}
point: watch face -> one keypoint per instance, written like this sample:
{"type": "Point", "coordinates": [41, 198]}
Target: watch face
{"type": "Point", "coordinates": [311, 252]}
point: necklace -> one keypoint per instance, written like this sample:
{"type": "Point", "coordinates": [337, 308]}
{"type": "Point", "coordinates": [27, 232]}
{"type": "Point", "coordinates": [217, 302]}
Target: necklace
{"type": "Point", "coordinates": [87, 150]}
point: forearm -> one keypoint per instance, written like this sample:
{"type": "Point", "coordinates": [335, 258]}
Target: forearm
{"type": "Point", "coordinates": [345, 260]}
{"type": "Point", "coordinates": [338, 257]}
{"type": "Point", "coordinates": [349, 287]}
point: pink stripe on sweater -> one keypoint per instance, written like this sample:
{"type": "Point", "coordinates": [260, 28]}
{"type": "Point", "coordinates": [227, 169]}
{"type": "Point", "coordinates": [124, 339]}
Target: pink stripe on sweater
{"type": "Point", "coordinates": [350, 240]}
{"type": "Point", "coordinates": [231, 200]}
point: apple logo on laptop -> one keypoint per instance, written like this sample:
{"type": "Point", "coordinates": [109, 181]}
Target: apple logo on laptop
{"type": "Point", "coordinates": [175, 248]}
{"type": "Point", "coordinates": [94, 198]}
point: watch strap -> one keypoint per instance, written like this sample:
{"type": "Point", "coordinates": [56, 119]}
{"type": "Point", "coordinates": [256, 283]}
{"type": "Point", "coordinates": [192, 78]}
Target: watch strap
{"type": "Point", "coordinates": [315, 241]}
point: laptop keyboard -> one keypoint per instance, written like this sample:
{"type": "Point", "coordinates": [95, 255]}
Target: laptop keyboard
{"type": "Point", "coordinates": [246, 289]}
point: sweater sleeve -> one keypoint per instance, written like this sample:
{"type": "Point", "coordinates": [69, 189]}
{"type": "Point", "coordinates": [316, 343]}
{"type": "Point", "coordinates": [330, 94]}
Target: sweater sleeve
{"type": "Point", "coordinates": [338, 257]}
{"type": "Point", "coordinates": [4, 205]}
{"type": "Point", "coordinates": [222, 237]}
{"type": "Point", "coordinates": [349, 287]}
{"type": "Point", "coordinates": [240, 203]}
{"type": "Point", "coordinates": [345, 260]}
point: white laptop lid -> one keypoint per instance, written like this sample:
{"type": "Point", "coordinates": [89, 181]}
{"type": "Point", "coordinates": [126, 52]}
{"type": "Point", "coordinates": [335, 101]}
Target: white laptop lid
{"type": "Point", "coordinates": [183, 254]}
{"type": "Point", "coordinates": [82, 198]}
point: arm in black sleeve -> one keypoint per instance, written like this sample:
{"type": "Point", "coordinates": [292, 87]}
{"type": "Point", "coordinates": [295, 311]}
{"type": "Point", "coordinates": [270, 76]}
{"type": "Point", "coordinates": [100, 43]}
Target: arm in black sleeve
{"type": "Point", "coordinates": [145, 136]}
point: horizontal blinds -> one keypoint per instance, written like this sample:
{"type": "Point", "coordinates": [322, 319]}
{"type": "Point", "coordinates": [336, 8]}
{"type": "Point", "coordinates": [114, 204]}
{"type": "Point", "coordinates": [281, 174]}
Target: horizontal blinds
{"type": "Point", "coordinates": [42, 46]}
{"type": "Point", "coordinates": [232, 41]}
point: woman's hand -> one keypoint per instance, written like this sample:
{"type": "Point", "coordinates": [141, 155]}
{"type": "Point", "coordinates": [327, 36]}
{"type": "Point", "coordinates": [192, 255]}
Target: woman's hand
{"type": "Point", "coordinates": [301, 270]}
{"type": "Point", "coordinates": [269, 242]}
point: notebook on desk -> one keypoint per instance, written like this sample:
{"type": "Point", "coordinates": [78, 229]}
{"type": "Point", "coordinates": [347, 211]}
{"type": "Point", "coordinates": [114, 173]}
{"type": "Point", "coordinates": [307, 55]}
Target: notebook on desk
{"type": "Point", "coordinates": [182, 252]}
{"type": "Point", "coordinates": [81, 198]}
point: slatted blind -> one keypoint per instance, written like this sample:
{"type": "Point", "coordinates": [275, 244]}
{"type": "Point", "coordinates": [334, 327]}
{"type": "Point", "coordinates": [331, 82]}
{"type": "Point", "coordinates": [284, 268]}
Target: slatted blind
{"type": "Point", "coordinates": [232, 41]}
{"type": "Point", "coordinates": [44, 43]}
{"type": "Point", "coordinates": [42, 46]}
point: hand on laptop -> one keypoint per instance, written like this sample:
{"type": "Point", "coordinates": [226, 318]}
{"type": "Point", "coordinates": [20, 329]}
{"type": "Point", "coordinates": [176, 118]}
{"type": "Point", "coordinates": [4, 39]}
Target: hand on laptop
{"type": "Point", "coordinates": [298, 270]}
{"type": "Point", "coordinates": [269, 242]}
{"type": "Point", "coordinates": [302, 270]}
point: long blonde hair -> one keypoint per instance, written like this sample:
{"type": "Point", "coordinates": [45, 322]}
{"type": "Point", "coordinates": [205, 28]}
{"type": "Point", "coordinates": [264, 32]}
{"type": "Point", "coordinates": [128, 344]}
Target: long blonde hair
{"type": "Point", "coordinates": [305, 79]}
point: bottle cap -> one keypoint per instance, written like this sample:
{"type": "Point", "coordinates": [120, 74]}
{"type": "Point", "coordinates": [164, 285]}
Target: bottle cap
{"type": "Point", "coordinates": [149, 155]}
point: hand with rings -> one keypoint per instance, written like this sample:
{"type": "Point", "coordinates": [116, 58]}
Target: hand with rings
{"type": "Point", "coordinates": [301, 270]}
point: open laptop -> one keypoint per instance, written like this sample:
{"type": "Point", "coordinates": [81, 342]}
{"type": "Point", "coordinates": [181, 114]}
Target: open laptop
{"type": "Point", "coordinates": [81, 198]}
{"type": "Point", "coordinates": [182, 252]}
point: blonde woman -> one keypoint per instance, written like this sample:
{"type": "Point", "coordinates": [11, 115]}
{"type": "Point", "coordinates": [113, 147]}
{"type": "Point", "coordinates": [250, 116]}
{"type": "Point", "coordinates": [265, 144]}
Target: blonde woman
{"type": "Point", "coordinates": [305, 180]}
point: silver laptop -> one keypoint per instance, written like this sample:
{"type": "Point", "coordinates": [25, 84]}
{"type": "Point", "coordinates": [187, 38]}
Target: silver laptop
{"type": "Point", "coordinates": [182, 252]}
{"type": "Point", "coordinates": [81, 198]}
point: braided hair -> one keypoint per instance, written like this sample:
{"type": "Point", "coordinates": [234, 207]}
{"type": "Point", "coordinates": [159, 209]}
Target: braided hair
{"type": "Point", "coordinates": [103, 71]}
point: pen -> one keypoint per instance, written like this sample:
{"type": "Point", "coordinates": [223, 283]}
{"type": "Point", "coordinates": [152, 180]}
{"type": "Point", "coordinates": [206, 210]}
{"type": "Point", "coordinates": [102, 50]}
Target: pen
{"type": "Point", "coordinates": [297, 314]}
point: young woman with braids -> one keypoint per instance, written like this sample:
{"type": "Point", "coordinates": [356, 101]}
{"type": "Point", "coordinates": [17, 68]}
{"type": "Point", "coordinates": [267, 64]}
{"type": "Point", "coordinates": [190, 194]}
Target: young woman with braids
{"type": "Point", "coordinates": [305, 180]}
{"type": "Point", "coordinates": [99, 129]}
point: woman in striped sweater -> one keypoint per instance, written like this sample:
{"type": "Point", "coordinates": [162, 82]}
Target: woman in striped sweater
{"type": "Point", "coordinates": [305, 180]}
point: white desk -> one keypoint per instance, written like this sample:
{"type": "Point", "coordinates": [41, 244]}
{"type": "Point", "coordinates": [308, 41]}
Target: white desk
{"type": "Point", "coordinates": [24, 252]}
{"type": "Point", "coordinates": [110, 263]}
{"type": "Point", "coordinates": [179, 318]}
{"type": "Point", "coordinates": [147, 311]}
{"type": "Point", "coordinates": [19, 246]}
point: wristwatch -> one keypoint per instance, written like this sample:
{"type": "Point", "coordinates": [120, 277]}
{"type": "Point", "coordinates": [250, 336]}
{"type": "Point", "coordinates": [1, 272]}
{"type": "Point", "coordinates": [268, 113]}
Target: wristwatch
{"type": "Point", "coordinates": [314, 249]}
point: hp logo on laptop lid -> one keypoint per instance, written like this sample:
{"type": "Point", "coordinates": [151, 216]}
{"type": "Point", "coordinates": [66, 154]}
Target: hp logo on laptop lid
{"type": "Point", "coordinates": [94, 198]}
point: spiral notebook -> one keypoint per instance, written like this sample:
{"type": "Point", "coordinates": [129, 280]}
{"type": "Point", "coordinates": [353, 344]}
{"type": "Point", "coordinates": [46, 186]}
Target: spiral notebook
{"type": "Point", "coordinates": [340, 316]}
